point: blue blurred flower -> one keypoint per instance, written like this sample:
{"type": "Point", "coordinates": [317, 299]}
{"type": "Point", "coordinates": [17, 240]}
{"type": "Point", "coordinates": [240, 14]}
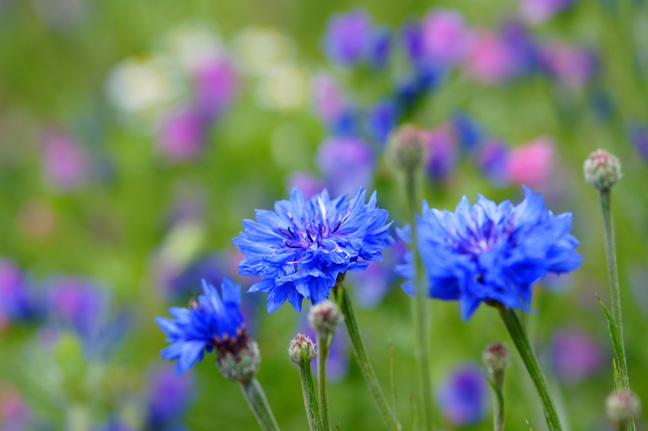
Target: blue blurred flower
{"type": "Point", "coordinates": [17, 302]}
{"type": "Point", "coordinates": [468, 131]}
{"type": "Point", "coordinates": [212, 318]}
{"type": "Point", "coordinates": [209, 268]}
{"type": "Point", "coordinates": [488, 252]}
{"type": "Point", "coordinates": [348, 37]}
{"type": "Point", "coordinates": [382, 119]}
{"type": "Point", "coordinates": [79, 303]}
{"type": "Point", "coordinates": [379, 47]}
{"type": "Point", "coordinates": [441, 153]}
{"type": "Point", "coordinates": [346, 163]}
{"type": "Point", "coordinates": [302, 246]}
{"type": "Point", "coordinates": [492, 160]}
{"type": "Point", "coordinates": [168, 397]}
{"type": "Point", "coordinates": [463, 397]}
{"type": "Point", "coordinates": [638, 135]}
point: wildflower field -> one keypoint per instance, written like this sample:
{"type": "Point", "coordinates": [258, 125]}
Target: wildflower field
{"type": "Point", "coordinates": [290, 215]}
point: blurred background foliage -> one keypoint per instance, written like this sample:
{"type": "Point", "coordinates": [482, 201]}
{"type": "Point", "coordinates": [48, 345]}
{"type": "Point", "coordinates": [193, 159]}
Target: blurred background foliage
{"type": "Point", "coordinates": [93, 190]}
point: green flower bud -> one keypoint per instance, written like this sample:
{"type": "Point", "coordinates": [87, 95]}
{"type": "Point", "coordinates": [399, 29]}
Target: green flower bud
{"type": "Point", "coordinates": [301, 349]}
{"type": "Point", "coordinates": [496, 357]}
{"type": "Point", "coordinates": [238, 359]}
{"type": "Point", "coordinates": [324, 317]}
{"type": "Point", "coordinates": [622, 406]}
{"type": "Point", "coordinates": [407, 147]}
{"type": "Point", "coordinates": [602, 169]}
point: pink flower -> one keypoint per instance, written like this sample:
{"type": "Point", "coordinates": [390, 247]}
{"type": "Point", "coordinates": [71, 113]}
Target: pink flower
{"type": "Point", "coordinates": [308, 183]}
{"type": "Point", "coordinates": [328, 98]}
{"type": "Point", "coordinates": [444, 37]}
{"type": "Point", "coordinates": [181, 135]}
{"type": "Point", "coordinates": [14, 412]}
{"type": "Point", "coordinates": [66, 164]}
{"type": "Point", "coordinates": [532, 163]}
{"type": "Point", "coordinates": [490, 58]}
{"type": "Point", "coordinates": [539, 11]}
{"type": "Point", "coordinates": [571, 65]}
{"type": "Point", "coordinates": [215, 85]}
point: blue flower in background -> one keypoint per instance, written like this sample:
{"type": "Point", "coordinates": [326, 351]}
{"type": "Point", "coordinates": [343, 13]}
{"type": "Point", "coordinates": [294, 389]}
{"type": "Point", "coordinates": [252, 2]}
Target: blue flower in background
{"type": "Point", "coordinates": [212, 318]}
{"type": "Point", "coordinates": [348, 37]}
{"type": "Point", "coordinates": [488, 252]}
{"type": "Point", "coordinates": [17, 302]}
{"type": "Point", "coordinates": [463, 396]}
{"type": "Point", "coordinates": [638, 135]}
{"type": "Point", "coordinates": [302, 246]}
{"type": "Point", "coordinates": [469, 133]}
{"type": "Point", "coordinates": [379, 47]}
{"type": "Point", "coordinates": [382, 119]}
{"type": "Point", "coordinates": [168, 397]}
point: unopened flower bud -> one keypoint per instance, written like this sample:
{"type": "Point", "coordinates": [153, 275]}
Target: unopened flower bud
{"type": "Point", "coordinates": [496, 357]}
{"type": "Point", "coordinates": [238, 358]}
{"type": "Point", "coordinates": [622, 406]}
{"type": "Point", "coordinates": [602, 169]}
{"type": "Point", "coordinates": [301, 349]}
{"type": "Point", "coordinates": [407, 147]}
{"type": "Point", "coordinates": [324, 317]}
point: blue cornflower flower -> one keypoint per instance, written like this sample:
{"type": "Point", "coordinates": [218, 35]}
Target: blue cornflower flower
{"type": "Point", "coordinates": [213, 320]}
{"type": "Point", "coordinates": [302, 246]}
{"type": "Point", "coordinates": [491, 253]}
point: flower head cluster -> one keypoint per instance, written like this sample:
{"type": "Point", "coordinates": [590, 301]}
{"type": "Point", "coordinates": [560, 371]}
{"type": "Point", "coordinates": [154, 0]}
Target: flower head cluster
{"type": "Point", "coordinates": [491, 253]}
{"type": "Point", "coordinates": [214, 320]}
{"type": "Point", "coordinates": [302, 246]}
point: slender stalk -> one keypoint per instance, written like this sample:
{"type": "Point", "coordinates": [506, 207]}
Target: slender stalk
{"type": "Point", "coordinates": [521, 341]}
{"type": "Point", "coordinates": [615, 293]}
{"type": "Point", "coordinates": [258, 403]}
{"type": "Point", "coordinates": [322, 360]}
{"type": "Point", "coordinates": [498, 400]}
{"type": "Point", "coordinates": [310, 397]}
{"type": "Point", "coordinates": [613, 276]}
{"type": "Point", "coordinates": [420, 315]}
{"type": "Point", "coordinates": [361, 356]}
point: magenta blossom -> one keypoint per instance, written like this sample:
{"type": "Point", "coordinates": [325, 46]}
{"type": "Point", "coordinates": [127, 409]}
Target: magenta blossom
{"type": "Point", "coordinates": [571, 66]}
{"type": "Point", "coordinates": [532, 163]}
{"type": "Point", "coordinates": [538, 11]}
{"type": "Point", "coordinates": [490, 58]}
{"type": "Point", "coordinates": [181, 134]}
{"type": "Point", "coordinates": [328, 98]}
{"type": "Point", "coordinates": [444, 37]}
{"type": "Point", "coordinates": [66, 163]}
{"type": "Point", "coordinates": [216, 84]}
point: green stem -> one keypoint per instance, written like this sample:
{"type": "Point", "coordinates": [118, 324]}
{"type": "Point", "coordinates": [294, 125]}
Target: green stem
{"type": "Point", "coordinates": [258, 403]}
{"type": "Point", "coordinates": [498, 400]}
{"type": "Point", "coordinates": [420, 314]}
{"type": "Point", "coordinates": [361, 356]}
{"type": "Point", "coordinates": [613, 275]}
{"type": "Point", "coordinates": [310, 396]}
{"type": "Point", "coordinates": [615, 292]}
{"type": "Point", "coordinates": [521, 341]}
{"type": "Point", "coordinates": [322, 359]}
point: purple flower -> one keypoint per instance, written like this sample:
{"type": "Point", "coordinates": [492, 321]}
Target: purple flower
{"type": "Point", "coordinates": [215, 87]}
{"type": "Point", "coordinates": [330, 102]}
{"type": "Point", "coordinates": [538, 11]}
{"type": "Point", "coordinates": [308, 183]}
{"type": "Point", "coordinates": [638, 135]}
{"type": "Point", "coordinates": [14, 412]}
{"type": "Point", "coordinates": [181, 134]}
{"type": "Point", "coordinates": [570, 65]}
{"type": "Point", "coordinates": [79, 303]}
{"type": "Point", "coordinates": [348, 37]}
{"type": "Point", "coordinates": [210, 268]}
{"type": "Point", "coordinates": [66, 164]}
{"type": "Point", "coordinates": [576, 355]}
{"type": "Point", "coordinates": [463, 396]}
{"type": "Point", "coordinates": [16, 302]}
{"type": "Point", "coordinates": [490, 59]}
{"type": "Point", "coordinates": [346, 163]}
{"type": "Point", "coordinates": [441, 153]}
{"type": "Point", "coordinates": [443, 37]}
{"type": "Point", "coordinates": [168, 397]}
{"type": "Point", "coordinates": [371, 287]}
{"type": "Point", "coordinates": [492, 160]}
